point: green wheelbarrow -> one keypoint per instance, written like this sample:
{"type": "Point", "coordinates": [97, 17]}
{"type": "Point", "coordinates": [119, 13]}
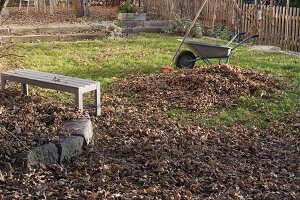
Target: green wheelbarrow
{"type": "Point", "coordinates": [205, 51]}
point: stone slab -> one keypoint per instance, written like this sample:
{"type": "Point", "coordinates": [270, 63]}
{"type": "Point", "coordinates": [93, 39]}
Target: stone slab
{"type": "Point", "coordinates": [64, 28]}
{"type": "Point", "coordinates": [80, 127]}
{"type": "Point", "coordinates": [156, 23]}
{"type": "Point", "coordinates": [126, 30]}
{"type": "Point", "coordinates": [147, 30]}
{"type": "Point", "coordinates": [80, 36]}
{"type": "Point", "coordinates": [46, 154]}
{"type": "Point", "coordinates": [4, 31]}
{"type": "Point", "coordinates": [130, 24]}
{"type": "Point", "coordinates": [97, 27]}
{"type": "Point", "coordinates": [23, 30]}
{"type": "Point", "coordinates": [70, 147]}
{"type": "Point", "coordinates": [132, 16]}
{"type": "Point", "coordinates": [30, 38]}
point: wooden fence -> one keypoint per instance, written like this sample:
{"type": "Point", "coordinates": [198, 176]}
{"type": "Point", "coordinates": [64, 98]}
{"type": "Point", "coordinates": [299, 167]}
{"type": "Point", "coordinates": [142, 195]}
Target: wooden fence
{"type": "Point", "coordinates": [276, 25]}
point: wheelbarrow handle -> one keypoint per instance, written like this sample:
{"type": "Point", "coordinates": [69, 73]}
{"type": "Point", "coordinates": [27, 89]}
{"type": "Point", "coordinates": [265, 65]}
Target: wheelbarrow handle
{"type": "Point", "coordinates": [234, 37]}
{"type": "Point", "coordinates": [245, 40]}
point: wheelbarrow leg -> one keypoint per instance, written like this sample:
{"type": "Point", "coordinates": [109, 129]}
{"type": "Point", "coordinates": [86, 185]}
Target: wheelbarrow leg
{"type": "Point", "coordinates": [206, 61]}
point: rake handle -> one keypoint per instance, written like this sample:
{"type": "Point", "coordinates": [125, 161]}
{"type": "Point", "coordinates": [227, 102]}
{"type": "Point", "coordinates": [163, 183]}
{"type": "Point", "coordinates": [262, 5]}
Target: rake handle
{"type": "Point", "coordinates": [188, 32]}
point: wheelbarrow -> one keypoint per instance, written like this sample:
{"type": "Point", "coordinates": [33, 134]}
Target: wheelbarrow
{"type": "Point", "coordinates": [205, 51]}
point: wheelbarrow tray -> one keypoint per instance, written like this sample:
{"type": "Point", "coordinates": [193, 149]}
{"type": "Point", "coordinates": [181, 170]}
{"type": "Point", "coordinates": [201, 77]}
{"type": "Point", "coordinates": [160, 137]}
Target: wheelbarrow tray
{"type": "Point", "coordinates": [206, 50]}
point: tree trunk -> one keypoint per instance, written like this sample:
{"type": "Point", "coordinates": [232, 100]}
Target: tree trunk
{"type": "Point", "coordinates": [81, 7]}
{"type": "Point", "coordinates": [3, 4]}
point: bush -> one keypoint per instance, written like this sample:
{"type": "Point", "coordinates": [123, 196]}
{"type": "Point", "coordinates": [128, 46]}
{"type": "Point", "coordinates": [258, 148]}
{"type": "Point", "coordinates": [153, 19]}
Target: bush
{"type": "Point", "coordinates": [128, 7]}
{"type": "Point", "coordinates": [179, 26]}
{"type": "Point", "coordinates": [222, 32]}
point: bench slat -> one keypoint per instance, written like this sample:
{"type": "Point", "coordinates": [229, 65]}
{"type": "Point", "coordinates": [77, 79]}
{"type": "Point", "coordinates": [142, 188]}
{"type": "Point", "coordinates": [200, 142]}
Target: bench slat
{"type": "Point", "coordinates": [43, 84]}
{"type": "Point", "coordinates": [75, 79]}
{"type": "Point", "coordinates": [57, 80]}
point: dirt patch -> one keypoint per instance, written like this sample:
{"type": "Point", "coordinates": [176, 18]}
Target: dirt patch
{"type": "Point", "coordinates": [98, 13]}
{"type": "Point", "coordinates": [32, 121]}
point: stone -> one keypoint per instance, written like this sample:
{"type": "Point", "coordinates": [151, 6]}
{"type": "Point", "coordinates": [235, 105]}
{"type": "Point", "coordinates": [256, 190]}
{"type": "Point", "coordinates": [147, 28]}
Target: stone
{"type": "Point", "coordinates": [126, 30]}
{"type": "Point", "coordinates": [147, 30]}
{"type": "Point", "coordinates": [23, 30]}
{"type": "Point", "coordinates": [80, 127]}
{"type": "Point", "coordinates": [98, 27]}
{"type": "Point", "coordinates": [4, 31]}
{"type": "Point", "coordinates": [70, 147]}
{"type": "Point", "coordinates": [157, 23]}
{"type": "Point", "coordinates": [63, 28]}
{"type": "Point", "coordinates": [130, 24]}
{"type": "Point", "coordinates": [33, 38]}
{"type": "Point", "coordinates": [80, 36]}
{"type": "Point", "coordinates": [46, 154]}
{"type": "Point", "coordinates": [5, 13]}
{"type": "Point", "coordinates": [132, 16]}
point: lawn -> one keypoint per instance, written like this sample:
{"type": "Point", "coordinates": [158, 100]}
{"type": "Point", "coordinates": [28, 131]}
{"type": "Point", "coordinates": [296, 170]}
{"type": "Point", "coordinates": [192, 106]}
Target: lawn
{"type": "Point", "coordinates": [115, 58]}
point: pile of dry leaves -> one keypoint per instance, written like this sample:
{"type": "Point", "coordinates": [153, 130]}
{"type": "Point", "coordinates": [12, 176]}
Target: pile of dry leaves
{"type": "Point", "coordinates": [140, 153]}
{"type": "Point", "coordinates": [199, 88]}
{"type": "Point", "coordinates": [29, 119]}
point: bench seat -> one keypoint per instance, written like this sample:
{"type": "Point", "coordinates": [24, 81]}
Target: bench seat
{"type": "Point", "coordinates": [73, 85]}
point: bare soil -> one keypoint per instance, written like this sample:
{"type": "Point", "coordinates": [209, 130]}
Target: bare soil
{"type": "Point", "coordinates": [98, 13]}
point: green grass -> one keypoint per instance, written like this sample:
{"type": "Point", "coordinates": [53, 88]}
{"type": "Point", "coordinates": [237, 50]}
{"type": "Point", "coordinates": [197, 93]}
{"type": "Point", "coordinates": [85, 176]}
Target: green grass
{"type": "Point", "coordinates": [110, 59]}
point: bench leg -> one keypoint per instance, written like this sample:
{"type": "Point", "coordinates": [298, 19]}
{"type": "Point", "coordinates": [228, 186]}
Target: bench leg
{"type": "Point", "coordinates": [25, 89]}
{"type": "Point", "coordinates": [3, 82]}
{"type": "Point", "coordinates": [97, 100]}
{"type": "Point", "coordinates": [79, 100]}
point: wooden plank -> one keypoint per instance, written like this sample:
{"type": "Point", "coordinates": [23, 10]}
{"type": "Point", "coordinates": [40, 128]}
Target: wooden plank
{"type": "Point", "coordinates": [51, 75]}
{"type": "Point", "coordinates": [292, 40]}
{"type": "Point", "coordinates": [283, 19]}
{"type": "Point", "coordinates": [297, 32]}
{"type": "Point", "coordinates": [41, 84]}
{"type": "Point", "coordinates": [51, 81]}
{"type": "Point", "coordinates": [276, 29]}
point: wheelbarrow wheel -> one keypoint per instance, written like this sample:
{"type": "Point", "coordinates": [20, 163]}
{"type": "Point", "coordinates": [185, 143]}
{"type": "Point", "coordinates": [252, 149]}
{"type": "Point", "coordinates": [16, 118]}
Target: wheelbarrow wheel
{"type": "Point", "coordinates": [185, 60]}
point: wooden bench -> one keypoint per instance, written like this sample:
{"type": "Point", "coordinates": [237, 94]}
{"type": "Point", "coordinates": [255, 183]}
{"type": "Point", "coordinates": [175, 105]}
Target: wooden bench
{"type": "Point", "coordinates": [76, 86]}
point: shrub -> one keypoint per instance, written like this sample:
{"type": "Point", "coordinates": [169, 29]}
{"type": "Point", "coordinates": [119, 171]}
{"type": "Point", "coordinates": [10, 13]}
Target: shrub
{"type": "Point", "coordinates": [179, 26]}
{"type": "Point", "coordinates": [222, 32]}
{"type": "Point", "coordinates": [128, 7]}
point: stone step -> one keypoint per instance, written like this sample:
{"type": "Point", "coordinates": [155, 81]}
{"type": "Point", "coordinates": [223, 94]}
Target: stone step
{"type": "Point", "coordinates": [135, 26]}
{"type": "Point", "coordinates": [143, 30]}
{"type": "Point", "coordinates": [51, 38]}
{"type": "Point", "coordinates": [51, 29]}
{"type": "Point", "coordinates": [150, 23]}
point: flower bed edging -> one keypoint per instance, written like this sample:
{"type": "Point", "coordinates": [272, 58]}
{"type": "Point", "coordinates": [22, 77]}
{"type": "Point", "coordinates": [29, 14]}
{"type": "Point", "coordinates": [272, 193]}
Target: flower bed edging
{"type": "Point", "coordinates": [81, 135]}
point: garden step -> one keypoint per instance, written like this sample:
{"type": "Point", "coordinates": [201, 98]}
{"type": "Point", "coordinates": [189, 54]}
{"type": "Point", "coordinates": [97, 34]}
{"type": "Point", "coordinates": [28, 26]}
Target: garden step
{"type": "Point", "coordinates": [150, 23]}
{"type": "Point", "coordinates": [143, 30]}
{"type": "Point", "coordinates": [51, 38]}
{"type": "Point", "coordinates": [52, 29]}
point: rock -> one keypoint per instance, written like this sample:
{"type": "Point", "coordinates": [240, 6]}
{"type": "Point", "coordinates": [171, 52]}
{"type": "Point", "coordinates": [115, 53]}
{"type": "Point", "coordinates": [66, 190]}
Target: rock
{"type": "Point", "coordinates": [5, 13]}
{"type": "Point", "coordinates": [80, 127]}
{"type": "Point", "coordinates": [46, 154]}
{"type": "Point", "coordinates": [70, 147]}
